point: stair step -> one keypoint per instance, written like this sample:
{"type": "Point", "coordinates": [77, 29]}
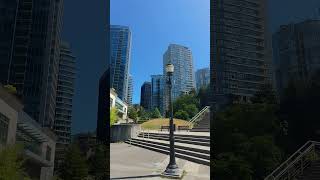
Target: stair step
{"type": "Point", "coordinates": [186, 137]}
{"type": "Point", "coordinates": [200, 130]}
{"type": "Point", "coordinates": [179, 155]}
{"type": "Point", "coordinates": [189, 147]}
{"type": "Point", "coordinates": [179, 135]}
{"type": "Point", "coordinates": [178, 150]}
{"type": "Point", "coordinates": [202, 142]}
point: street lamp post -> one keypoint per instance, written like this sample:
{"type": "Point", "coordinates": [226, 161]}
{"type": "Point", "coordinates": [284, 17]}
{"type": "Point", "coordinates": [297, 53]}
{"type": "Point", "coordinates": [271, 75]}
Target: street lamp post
{"type": "Point", "coordinates": [172, 169]}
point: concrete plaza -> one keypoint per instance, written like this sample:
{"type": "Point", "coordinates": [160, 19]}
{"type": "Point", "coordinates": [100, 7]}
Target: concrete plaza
{"type": "Point", "coordinates": [131, 162]}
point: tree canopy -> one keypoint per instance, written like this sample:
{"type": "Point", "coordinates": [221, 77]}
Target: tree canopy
{"type": "Point", "coordinates": [99, 162]}
{"type": "Point", "coordinates": [11, 163]}
{"type": "Point", "coordinates": [245, 141]}
{"type": "Point", "coordinates": [133, 113]}
{"type": "Point", "coordinates": [155, 113]}
{"type": "Point", "coordinates": [74, 166]}
{"type": "Point", "coordinates": [113, 116]}
{"type": "Point", "coordinates": [186, 106]}
{"type": "Point", "coordinates": [299, 109]}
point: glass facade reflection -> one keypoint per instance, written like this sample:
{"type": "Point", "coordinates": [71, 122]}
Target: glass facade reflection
{"type": "Point", "coordinates": [120, 60]}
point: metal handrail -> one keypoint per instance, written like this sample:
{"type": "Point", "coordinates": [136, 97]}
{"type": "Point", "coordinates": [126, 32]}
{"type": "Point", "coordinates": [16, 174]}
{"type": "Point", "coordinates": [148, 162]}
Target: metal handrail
{"type": "Point", "coordinates": [193, 120]}
{"type": "Point", "coordinates": [289, 169]}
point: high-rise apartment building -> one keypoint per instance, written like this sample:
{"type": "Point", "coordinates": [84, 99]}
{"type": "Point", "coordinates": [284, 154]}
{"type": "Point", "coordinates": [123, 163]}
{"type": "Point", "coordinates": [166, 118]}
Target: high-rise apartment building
{"type": "Point", "coordinates": [183, 76]}
{"type": "Point", "coordinates": [240, 49]}
{"type": "Point", "coordinates": [120, 60]}
{"type": "Point", "coordinates": [157, 93]}
{"type": "Point", "coordinates": [145, 100]}
{"type": "Point", "coordinates": [296, 52]}
{"type": "Point", "coordinates": [130, 90]}
{"type": "Point", "coordinates": [65, 92]}
{"type": "Point", "coordinates": [30, 53]}
{"type": "Point", "coordinates": [202, 78]}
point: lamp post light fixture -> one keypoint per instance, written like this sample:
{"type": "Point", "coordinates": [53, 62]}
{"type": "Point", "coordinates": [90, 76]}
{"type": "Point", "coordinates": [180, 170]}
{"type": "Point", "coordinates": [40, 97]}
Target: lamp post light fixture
{"type": "Point", "coordinates": [172, 169]}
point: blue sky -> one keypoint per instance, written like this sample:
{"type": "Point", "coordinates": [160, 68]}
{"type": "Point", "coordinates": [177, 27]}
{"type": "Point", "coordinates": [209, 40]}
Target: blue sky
{"type": "Point", "coordinates": [156, 24]}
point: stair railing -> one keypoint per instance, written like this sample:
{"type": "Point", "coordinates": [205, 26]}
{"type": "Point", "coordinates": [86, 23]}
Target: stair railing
{"type": "Point", "coordinates": [294, 166]}
{"type": "Point", "coordinates": [198, 115]}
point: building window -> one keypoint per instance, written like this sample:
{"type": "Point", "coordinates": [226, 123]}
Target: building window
{"type": "Point", "coordinates": [4, 126]}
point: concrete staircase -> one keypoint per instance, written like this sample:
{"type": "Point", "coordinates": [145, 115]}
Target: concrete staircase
{"type": "Point", "coordinates": [312, 172]}
{"type": "Point", "coordinates": [304, 164]}
{"type": "Point", "coordinates": [193, 148]}
{"type": "Point", "coordinates": [203, 125]}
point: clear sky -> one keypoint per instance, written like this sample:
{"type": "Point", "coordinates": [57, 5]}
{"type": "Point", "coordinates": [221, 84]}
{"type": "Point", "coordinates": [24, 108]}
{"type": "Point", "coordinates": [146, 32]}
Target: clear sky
{"type": "Point", "coordinates": [157, 23]}
{"type": "Point", "coordinates": [154, 24]}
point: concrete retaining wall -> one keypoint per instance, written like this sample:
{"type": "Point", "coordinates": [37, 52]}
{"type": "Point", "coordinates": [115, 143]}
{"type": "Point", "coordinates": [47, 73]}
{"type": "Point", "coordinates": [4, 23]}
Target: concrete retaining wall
{"type": "Point", "coordinates": [123, 132]}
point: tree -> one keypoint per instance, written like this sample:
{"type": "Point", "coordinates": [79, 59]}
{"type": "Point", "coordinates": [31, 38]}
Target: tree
{"type": "Point", "coordinates": [228, 166]}
{"type": "Point", "coordinates": [245, 137]}
{"type": "Point", "coordinates": [113, 116]}
{"type": "Point", "coordinates": [182, 101]}
{"type": "Point", "coordinates": [74, 166]}
{"type": "Point", "coordinates": [99, 163]}
{"type": "Point", "coordinates": [11, 89]}
{"type": "Point", "coordinates": [133, 114]}
{"type": "Point", "coordinates": [11, 164]}
{"type": "Point", "coordinates": [181, 114]}
{"type": "Point", "coordinates": [204, 96]}
{"type": "Point", "coordinates": [156, 113]}
{"type": "Point", "coordinates": [186, 106]}
{"type": "Point", "coordinates": [191, 110]}
{"type": "Point", "coordinates": [143, 114]}
{"type": "Point", "coordinates": [299, 108]}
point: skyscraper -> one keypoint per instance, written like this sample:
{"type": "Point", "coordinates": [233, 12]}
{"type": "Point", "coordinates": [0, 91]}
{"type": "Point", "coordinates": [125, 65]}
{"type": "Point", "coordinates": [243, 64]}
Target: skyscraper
{"type": "Point", "coordinates": [103, 124]}
{"type": "Point", "coordinates": [296, 52]}
{"type": "Point", "coordinates": [241, 51]}
{"type": "Point", "coordinates": [30, 54]}
{"type": "Point", "coordinates": [202, 78]}
{"type": "Point", "coordinates": [157, 93]}
{"type": "Point", "coordinates": [120, 60]}
{"type": "Point", "coordinates": [183, 76]}
{"type": "Point", "coordinates": [130, 90]}
{"type": "Point", "coordinates": [65, 92]}
{"type": "Point", "coordinates": [145, 100]}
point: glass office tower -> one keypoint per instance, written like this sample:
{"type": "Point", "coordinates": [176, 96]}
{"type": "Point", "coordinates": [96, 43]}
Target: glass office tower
{"type": "Point", "coordinates": [157, 93]}
{"type": "Point", "coordinates": [202, 78]}
{"type": "Point", "coordinates": [145, 99]}
{"type": "Point", "coordinates": [120, 60]}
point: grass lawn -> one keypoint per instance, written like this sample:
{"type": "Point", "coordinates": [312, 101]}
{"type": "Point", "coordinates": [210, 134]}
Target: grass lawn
{"type": "Point", "coordinates": [155, 124]}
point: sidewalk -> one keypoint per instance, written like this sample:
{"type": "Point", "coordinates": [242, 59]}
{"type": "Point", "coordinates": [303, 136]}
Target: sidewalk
{"type": "Point", "coordinates": [130, 162]}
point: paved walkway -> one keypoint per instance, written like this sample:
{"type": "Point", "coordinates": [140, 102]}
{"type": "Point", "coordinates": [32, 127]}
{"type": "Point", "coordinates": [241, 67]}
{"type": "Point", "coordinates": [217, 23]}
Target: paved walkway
{"type": "Point", "coordinates": [131, 162]}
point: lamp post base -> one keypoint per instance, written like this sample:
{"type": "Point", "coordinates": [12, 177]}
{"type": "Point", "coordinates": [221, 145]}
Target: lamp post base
{"type": "Point", "coordinates": [172, 172]}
